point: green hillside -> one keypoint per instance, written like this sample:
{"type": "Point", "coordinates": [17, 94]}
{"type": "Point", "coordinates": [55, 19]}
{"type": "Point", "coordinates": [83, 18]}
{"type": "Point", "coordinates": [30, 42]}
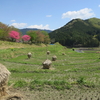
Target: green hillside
{"type": "Point", "coordinates": [95, 22]}
{"type": "Point", "coordinates": [78, 32]}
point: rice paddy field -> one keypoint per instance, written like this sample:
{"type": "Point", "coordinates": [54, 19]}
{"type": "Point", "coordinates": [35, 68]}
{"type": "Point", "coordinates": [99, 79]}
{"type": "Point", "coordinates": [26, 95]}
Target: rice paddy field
{"type": "Point", "coordinates": [73, 76]}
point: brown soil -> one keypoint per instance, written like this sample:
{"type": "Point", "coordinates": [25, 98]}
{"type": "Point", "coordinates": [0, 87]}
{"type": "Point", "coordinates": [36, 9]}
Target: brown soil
{"type": "Point", "coordinates": [49, 93]}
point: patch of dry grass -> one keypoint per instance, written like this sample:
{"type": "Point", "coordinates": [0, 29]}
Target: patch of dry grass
{"type": "Point", "coordinates": [6, 44]}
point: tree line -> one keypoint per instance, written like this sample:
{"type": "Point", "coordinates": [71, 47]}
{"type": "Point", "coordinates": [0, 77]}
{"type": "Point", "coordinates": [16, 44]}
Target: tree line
{"type": "Point", "coordinates": [10, 33]}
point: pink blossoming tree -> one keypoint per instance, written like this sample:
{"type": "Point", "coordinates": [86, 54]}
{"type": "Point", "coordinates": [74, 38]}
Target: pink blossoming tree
{"type": "Point", "coordinates": [26, 37]}
{"type": "Point", "coordinates": [14, 35]}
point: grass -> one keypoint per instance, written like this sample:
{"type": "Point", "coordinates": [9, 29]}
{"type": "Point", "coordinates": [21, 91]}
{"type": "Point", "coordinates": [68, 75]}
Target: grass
{"type": "Point", "coordinates": [73, 74]}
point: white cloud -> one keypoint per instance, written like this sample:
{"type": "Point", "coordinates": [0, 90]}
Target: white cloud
{"type": "Point", "coordinates": [83, 14]}
{"type": "Point", "coordinates": [99, 6]}
{"type": "Point", "coordinates": [13, 20]}
{"type": "Point", "coordinates": [23, 25]}
{"type": "Point", "coordinates": [39, 26]}
{"type": "Point", "coordinates": [48, 15]}
{"type": "Point", "coordinates": [19, 25]}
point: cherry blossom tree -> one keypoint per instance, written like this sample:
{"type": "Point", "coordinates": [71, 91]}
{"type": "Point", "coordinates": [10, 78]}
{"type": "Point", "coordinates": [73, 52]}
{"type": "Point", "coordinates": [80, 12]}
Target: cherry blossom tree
{"type": "Point", "coordinates": [26, 37]}
{"type": "Point", "coordinates": [14, 35]}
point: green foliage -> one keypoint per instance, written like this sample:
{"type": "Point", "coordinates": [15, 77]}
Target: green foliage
{"type": "Point", "coordinates": [90, 84]}
{"type": "Point", "coordinates": [95, 22]}
{"type": "Point", "coordinates": [20, 84]}
{"type": "Point", "coordinates": [14, 70]}
{"type": "Point", "coordinates": [81, 81]}
{"type": "Point", "coordinates": [59, 85]}
{"type": "Point", "coordinates": [44, 32]}
{"type": "Point", "coordinates": [78, 33]}
{"type": "Point", "coordinates": [4, 30]}
{"type": "Point", "coordinates": [33, 35]}
{"type": "Point", "coordinates": [2, 34]}
{"type": "Point", "coordinates": [34, 84]}
{"type": "Point", "coordinates": [38, 36]}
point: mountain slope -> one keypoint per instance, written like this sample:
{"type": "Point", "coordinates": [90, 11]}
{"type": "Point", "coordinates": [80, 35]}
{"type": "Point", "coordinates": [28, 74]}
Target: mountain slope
{"type": "Point", "coordinates": [94, 21]}
{"type": "Point", "coordinates": [78, 31]}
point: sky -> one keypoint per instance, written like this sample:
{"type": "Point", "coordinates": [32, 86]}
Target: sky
{"type": "Point", "coordinates": [46, 14]}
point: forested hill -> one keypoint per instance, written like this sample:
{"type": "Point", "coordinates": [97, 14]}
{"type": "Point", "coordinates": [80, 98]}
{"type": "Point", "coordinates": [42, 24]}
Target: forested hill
{"type": "Point", "coordinates": [78, 32]}
{"type": "Point", "coordinates": [24, 31]}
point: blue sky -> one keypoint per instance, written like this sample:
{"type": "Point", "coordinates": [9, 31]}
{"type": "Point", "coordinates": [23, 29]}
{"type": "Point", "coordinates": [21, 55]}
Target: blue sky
{"type": "Point", "coordinates": [46, 14]}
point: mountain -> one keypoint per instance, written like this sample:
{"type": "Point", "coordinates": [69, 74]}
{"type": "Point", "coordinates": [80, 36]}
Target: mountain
{"type": "Point", "coordinates": [78, 32]}
{"type": "Point", "coordinates": [24, 31]}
